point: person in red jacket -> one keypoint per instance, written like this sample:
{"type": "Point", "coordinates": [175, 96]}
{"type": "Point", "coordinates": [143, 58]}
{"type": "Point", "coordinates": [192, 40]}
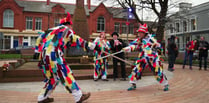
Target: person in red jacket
{"type": "Point", "coordinates": [190, 49]}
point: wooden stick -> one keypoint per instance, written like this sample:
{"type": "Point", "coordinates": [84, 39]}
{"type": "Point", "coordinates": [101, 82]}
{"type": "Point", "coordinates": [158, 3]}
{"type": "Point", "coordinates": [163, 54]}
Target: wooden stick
{"type": "Point", "coordinates": [110, 54]}
{"type": "Point", "coordinates": [118, 58]}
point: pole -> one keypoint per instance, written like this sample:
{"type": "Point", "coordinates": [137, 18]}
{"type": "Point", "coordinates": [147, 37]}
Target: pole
{"type": "Point", "coordinates": [127, 25]}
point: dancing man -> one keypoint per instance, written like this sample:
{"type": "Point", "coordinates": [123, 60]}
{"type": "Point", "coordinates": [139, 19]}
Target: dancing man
{"type": "Point", "coordinates": [148, 57]}
{"type": "Point", "coordinates": [50, 51]}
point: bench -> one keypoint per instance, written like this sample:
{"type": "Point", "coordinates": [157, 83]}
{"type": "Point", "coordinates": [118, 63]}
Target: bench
{"type": "Point", "coordinates": [27, 53]}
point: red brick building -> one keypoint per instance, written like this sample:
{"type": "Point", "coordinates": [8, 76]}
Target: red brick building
{"type": "Point", "coordinates": [20, 20]}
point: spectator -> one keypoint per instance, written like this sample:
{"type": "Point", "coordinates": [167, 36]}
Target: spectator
{"type": "Point", "coordinates": [190, 49]}
{"type": "Point", "coordinates": [172, 52]}
{"type": "Point", "coordinates": [203, 52]}
{"type": "Point", "coordinates": [116, 45]}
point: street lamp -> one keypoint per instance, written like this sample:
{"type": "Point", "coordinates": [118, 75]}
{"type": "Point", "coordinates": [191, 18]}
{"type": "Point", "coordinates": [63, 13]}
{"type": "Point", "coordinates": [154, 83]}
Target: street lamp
{"type": "Point", "coordinates": [129, 16]}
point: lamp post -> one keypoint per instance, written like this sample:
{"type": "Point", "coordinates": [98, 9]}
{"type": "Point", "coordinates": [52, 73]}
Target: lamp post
{"type": "Point", "coordinates": [129, 15]}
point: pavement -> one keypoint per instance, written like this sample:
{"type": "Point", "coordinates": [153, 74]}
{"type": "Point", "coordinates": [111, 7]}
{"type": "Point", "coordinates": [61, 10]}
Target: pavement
{"type": "Point", "coordinates": [186, 86]}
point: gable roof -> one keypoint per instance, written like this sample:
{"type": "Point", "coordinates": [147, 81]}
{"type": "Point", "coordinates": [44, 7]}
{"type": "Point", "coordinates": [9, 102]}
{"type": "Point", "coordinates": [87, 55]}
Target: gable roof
{"type": "Point", "coordinates": [40, 6]}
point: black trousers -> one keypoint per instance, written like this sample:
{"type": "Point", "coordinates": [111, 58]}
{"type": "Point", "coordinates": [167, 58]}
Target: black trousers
{"type": "Point", "coordinates": [115, 65]}
{"type": "Point", "coordinates": [171, 60]}
{"type": "Point", "coordinates": [205, 61]}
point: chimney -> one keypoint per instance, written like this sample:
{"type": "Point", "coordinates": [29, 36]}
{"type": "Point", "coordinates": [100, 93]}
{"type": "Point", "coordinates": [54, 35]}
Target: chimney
{"type": "Point", "coordinates": [47, 2]}
{"type": "Point", "coordinates": [184, 6]}
{"type": "Point", "coordinates": [89, 4]}
{"type": "Point", "coordinates": [80, 3]}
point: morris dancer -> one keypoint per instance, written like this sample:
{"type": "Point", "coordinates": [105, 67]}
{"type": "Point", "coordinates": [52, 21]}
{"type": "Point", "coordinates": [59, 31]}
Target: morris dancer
{"type": "Point", "coordinates": [101, 65]}
{"type": "Point", "coordinates": [148, 57]}
{"type": "Point", "coordinates": [51, 47]}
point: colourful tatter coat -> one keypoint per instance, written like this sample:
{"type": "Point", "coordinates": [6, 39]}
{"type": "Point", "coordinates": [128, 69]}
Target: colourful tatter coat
{"type": "Point", "coordinates": [51, 47]}
{"type": "Point", "coordinates": [101, 65]}
{"type": "Point", "coordinates": [148, 57]}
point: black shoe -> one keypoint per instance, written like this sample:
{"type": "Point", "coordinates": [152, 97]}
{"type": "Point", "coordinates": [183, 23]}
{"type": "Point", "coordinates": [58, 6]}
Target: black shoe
{"type": "Point", "coordinates": [200, 69]}
{"type": "Point", "coordinates": [105, 79]}
{"type": "Point", "coordinates": [205, 69]}
{"type": "Point", "coordinates": [170, 69]}
{"type": "Point", "coordinates": [123, 79]}
{"type": "Point", "coordinates": [114, 79]}
{"type": "Point", "coordinates": [95, 79]}
{"type": "Point", "coordinates": [84, 97]}
{"type": "Point", "coordinates": [47, 100]}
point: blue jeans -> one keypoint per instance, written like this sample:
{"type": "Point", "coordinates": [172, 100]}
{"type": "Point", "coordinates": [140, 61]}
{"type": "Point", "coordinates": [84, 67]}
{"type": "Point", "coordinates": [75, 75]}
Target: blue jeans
{"type": "Point", "coordinates": [188, 55]}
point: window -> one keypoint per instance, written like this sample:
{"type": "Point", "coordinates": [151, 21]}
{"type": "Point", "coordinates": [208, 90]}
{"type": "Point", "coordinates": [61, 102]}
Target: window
{"type": "Point", "coordinates": [100, 24]}
{"type": "Point", "coordinates": [171, 28]}
{"type": "Point", "coordinates": [38, 24]}
{"type": "Point", "coordinates": [56, 22]}
{"type": "Point", "coordinates": [124, 31]}
{"type": "Point", "coordinates": [25, 41]}
{"type": "Point", "coordinates": [29, 23]}
{"type": "Point", "coordinates": [7, 37]}
{"type": "Point", "coordinates": [178, 42]}
{"type": "Point", "coordinates": [33, 40]}
{"type": "Point", "coordinates": [131, 29]}
{"type": "Point", "coordinates": [8, 18]}
{"type": "Point", "coordinates": [184, 26]}
{"type": "Point", "coordinates": [193, 24]}
{"type": "Point", "coordinates": [7, 41]}
{"type": "Point", "coordinates": [177, 27]}
{"type": "Point", "coordinates": [117, 27]}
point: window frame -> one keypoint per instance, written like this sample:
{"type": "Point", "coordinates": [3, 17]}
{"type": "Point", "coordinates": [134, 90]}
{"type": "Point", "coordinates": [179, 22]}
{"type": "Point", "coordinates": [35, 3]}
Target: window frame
{"type": "Point", "coordinates": [117, 27]}
{"type": "Point", "coordinates": [124, 28]}
{"type": "Point", "coordinates": [131, 26]}
{"type": "Point", "coordinates": [56, 22]}
{"type": "Point", "coordinates": [177, 28]}
{"type": "Point", "coordinates": [38, 23]}
{"type": "Point", "coordinates": [185, 27]}
{"type": "Point", "coordinates": [195, 26]}
{"type": "Point", "coordinates": [100, 24]}
{"type": "Point", "coordinates": [8, 18]}
{"type": "Point", "coordinates": [29, 23]}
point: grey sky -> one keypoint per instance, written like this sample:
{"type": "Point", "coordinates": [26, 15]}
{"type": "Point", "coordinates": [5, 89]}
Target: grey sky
{"type": "Point", "coordinates": [95, 2]}
{"type": "Point", "coordinates": [147, 15]}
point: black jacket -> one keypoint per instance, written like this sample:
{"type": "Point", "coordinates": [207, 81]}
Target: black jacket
{"type": "Point", "coordinates": [172, 48]}
{"type": "Point", "coordinates": [118, 47]}
{"type": "Point", "coordinates": [201, 45]}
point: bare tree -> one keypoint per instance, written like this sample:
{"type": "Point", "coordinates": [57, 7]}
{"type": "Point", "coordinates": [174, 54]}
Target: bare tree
{"type": "Point", "coordinates": [158, 7]}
